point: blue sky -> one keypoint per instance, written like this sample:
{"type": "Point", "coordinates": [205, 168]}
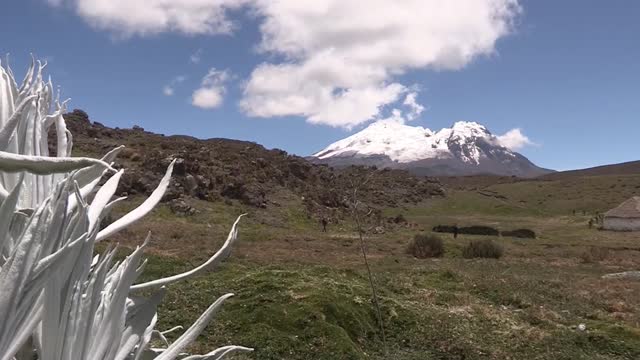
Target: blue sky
{"type": "Point", "coordinates": [567, 73]}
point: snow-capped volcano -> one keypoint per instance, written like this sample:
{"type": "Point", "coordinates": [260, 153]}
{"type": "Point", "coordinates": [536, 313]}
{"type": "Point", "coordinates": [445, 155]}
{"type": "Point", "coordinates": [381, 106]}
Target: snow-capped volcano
{"type": "Point", "coordinates": [465, 148]}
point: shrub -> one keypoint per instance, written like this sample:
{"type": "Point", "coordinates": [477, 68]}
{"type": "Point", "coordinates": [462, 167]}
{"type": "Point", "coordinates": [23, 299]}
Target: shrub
{"type": "Point", "coordinates": [444, 228]}
{"type": "Point", "coordinates": [482, 249]}
{"type": "Point", "coordinates": [594, 254]}
{"type": "Point", "coordinates": [520, 233]}
{"type": "Point", "coordinates": [469, 230]}
{"type": "Point", "coordinates": [478, 230]}
{"type": "Point", "coordinates": [425, 246]}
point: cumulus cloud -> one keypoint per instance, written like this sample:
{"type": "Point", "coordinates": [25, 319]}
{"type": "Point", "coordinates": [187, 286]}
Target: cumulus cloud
{"type": "Point", "coordinates": [342, 62]}
{"type": "Point", "coordinates": [338, 62]}
{"type": "Point", "coordinates": [514, 140]}
{"type": "Point", "coordinates": [324, 89]}
{"type": "Point", "coordinates": [169, 89]}
{"type": "Point", "coordinates": [211, 92]}
{"type": "Point", "coordinates": [144, 17]}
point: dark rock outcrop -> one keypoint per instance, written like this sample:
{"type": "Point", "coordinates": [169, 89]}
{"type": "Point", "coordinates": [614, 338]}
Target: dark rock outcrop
{"type": "Point", "coordinates": [223, 169]}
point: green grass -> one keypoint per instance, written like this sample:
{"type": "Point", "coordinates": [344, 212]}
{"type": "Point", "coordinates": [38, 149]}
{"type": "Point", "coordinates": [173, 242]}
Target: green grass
{"type": "Point", "coordinates": [304, 294]}
{"type": "Point", "coordinates": [281, 312]}
{"type": "Point", "coordinates": [433, 310]}
{"type": "Point", "coordinates": [590, 194]}
{"type": "Point", "coordinates": [535, 198]}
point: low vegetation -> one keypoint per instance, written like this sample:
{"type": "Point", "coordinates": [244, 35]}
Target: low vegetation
{"type": "Point", "coordinates": [520, 233]}
{"type": "Point", "coordinates": [594, 254]}
{"type": "Point", "coordinates": [468, 230]}
{"type": "Point", "coordinates": [309, 293]}
{"type": "Point", "coordinates": [479, 230]}
{"type": "Point", "coordinates": [444, 229]}
{"type": "Point", "coordinates": [483, 249]}
{"type": "Point", "coordinates": [426, 246]}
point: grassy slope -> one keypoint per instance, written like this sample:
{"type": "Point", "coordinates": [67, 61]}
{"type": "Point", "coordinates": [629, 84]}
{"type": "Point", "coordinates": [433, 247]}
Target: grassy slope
{"type": "Point", "coordinates": [626, 168]}
{"type": "Point", "coordinates": [302, 294]}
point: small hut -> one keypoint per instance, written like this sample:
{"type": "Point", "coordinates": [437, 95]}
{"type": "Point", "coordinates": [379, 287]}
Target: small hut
{"type": "Point", "coordinates": [626, 217]}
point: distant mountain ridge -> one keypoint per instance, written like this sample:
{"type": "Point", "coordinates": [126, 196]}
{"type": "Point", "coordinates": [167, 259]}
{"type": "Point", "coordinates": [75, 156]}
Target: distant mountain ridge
{"type": "Point", "coordinates": [625, 168]}
{"type": "Point", "coordinates": [467, 148]}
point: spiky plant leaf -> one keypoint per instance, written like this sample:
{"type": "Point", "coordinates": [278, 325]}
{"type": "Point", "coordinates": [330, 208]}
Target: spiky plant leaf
{"type": "Point", "coordinates": [59, 301]}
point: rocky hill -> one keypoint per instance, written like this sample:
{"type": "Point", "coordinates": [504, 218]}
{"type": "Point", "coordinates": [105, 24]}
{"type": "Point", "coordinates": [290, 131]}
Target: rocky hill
{"type": "Point", "coordinates": [467, 148]}
{"type": "Point", "coordinates": [223, 170]}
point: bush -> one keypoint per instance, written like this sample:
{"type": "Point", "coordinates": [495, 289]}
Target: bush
{"type": "Point", "coordinates": [482, 249]}
{"type": "Point", "coordinates": [594, 254]}
{"type": "Point", "coordinates": [520, 233]}
{"type": "Point", "coordinates": [425, 246]}
{"type": "Point", "coordinates": [479, 230]}
{"type": "Point", "coordinates": [469, 230]}
{"type": "Point", "coordinates": [444, 228]}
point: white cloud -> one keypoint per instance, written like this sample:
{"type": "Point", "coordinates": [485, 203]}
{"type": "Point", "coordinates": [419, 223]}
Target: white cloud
{"type": "Point", "coordinates": [169, 89]}
{"type": "Point", "coordinates": [415, 109]}
{"type": "Point", "coordinates": [338, 51]}
{"type": "Point", "coordinates": [207, 98]}
{"type": "Point", "coordinates": [514, 140]}
{"type": "Point", "coordinates": [322, 89]}
{"type": "Point", "coordinates": [411, 112]}
{"type": "Point", "coordinates": [341, 58]}
{"type": "Point", "coordinates": [210, 95]}
{"type": "Point", "coordinates": [196, 57]}
{"type": "Point", "coordinates": [143, 17]}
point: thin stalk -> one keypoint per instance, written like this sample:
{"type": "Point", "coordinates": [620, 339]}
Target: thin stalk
{"type": "Point", "coordinates": [363, 248]}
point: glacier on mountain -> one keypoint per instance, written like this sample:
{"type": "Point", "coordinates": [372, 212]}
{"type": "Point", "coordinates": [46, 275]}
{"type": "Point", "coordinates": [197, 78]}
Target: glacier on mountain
{"type": "Point", "coordinates": [404, 143]}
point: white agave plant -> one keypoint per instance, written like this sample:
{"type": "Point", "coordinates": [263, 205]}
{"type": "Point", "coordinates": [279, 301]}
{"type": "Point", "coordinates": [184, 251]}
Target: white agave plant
{"type": "Point", "coordinates": [57, 300]}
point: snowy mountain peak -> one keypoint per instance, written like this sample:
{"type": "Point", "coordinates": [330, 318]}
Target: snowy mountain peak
{"type": "Point", "coordinates": [470, 128]}
{"type": "Point", "coordinates": [466, 145]}
{"type": "Point", "coordinates": [400, 142]}
{"type": "Point", "coordinates": [405, 143]}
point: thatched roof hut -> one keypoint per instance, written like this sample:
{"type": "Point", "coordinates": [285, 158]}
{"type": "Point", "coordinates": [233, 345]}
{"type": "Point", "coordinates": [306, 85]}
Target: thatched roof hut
{"type": "Point", "coordinates": [625, 217]}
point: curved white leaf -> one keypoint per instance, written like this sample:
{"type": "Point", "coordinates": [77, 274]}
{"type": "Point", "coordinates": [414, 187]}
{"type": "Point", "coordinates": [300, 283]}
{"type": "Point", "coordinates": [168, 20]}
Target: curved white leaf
{"type": "Point", "coordinates": [217, 258]}
{"type": "Point", "coordinates": [142, 210]}
{"type": "Point", "coordinates": [6, 216]}
{"type": "Point", "coordinates": [43, 165]}
{"type": "Point", "coordinates": [102, 198]}
{"type": "Point", "coordinates": [219, 353]}
{"type": "Point", "coordinates": [9, 127]}
{"type": "Point", "coordinates": [192, 333]}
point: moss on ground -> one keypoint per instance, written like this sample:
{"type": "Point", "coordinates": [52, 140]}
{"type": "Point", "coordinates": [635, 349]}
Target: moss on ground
{"type": "Point", "coordinates": [450, 309]}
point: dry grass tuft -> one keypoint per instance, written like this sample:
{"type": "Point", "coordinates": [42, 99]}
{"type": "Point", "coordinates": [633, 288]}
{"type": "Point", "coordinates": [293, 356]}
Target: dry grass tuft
{"type": "Point", "coordinates": [483, 249]}
{"type": "Point", "coordinates": [426, 246]}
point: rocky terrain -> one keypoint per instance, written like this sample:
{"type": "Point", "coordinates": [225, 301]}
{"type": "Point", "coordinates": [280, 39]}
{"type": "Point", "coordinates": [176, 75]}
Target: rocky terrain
{"type": "Point", "coordinates": [226, 170]}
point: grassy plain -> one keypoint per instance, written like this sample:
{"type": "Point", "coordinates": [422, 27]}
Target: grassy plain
{"type": "Point", "coordinates": [304, 294]}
